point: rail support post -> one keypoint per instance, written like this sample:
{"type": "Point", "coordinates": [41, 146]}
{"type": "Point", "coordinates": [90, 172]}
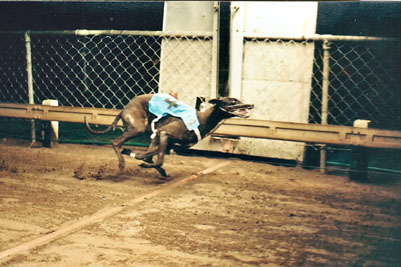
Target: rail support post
{"type": "Point", "coordinates": [47, 136]}
{"type": "Point", "coordinates": [49, 128]}
{"type": "Point", "coordinates": [359, 162]}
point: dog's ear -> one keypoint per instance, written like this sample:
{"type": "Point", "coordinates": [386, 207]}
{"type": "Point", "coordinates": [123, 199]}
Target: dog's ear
{"type": "Point", "coordinates": [214, 101]}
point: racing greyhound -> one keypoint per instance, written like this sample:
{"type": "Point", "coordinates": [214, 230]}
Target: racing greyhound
{"type": "Point", "coordinates": [168, 129]}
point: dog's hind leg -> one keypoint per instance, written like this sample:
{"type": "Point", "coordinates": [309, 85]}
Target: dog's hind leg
{"type": "Point", "coordinates": [118, 142]}
{"type": "Point", "coordinates": [152, 147]}
{"type": "Point", "coordinates": [135, 123]}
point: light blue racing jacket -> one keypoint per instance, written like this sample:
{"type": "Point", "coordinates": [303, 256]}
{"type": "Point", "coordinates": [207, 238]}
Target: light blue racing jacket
{"type": "Point", "coordinates": [164, 104]}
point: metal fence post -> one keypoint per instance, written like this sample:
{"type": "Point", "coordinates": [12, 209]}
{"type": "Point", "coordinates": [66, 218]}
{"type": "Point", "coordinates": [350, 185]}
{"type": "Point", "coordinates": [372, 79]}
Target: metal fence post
{"type": "Point", "coordinates": [215, 50]}
{"type": "Point", "coordinates": [325, 99]}
{"type": "Point", "coordinates": [236, 48]}
{"type": "Point", "coordinates": [29, 78]}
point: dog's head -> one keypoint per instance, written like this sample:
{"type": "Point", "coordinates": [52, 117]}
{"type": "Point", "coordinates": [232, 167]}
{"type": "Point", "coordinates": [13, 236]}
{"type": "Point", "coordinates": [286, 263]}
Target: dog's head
{"type": "Point", "coordinates": [232, 107]}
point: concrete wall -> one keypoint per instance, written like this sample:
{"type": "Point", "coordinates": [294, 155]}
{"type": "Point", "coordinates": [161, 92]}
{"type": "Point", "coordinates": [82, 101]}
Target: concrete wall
{"type": "Point", "coordinates": [274, 76]}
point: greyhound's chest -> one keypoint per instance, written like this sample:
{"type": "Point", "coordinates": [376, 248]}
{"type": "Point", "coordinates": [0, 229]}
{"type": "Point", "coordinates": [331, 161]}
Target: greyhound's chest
{"type": "Point", "coordinates": [188, 139]}
{"type": "Point", "coordinates": [177, 131]}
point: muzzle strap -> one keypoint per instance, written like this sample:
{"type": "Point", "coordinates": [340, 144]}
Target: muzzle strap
{"type": "Point", "coordinates": [198, 134]}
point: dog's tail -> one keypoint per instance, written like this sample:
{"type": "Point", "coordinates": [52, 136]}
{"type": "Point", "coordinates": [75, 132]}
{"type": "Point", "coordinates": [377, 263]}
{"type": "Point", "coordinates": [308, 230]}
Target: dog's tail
{"type": "Point", "coordinates": [112, 126]}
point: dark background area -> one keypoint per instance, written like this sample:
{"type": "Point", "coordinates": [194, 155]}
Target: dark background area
{"type": "Point", "coordinates": [360, 18]}
{"type": "Point", "coordinates": [81, 15]}
{"type": "Point", "coordinates": [351, 18]}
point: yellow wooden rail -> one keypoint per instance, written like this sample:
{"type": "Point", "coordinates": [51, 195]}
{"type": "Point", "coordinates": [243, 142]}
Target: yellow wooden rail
{"type": "Point", "coordinates": [300, 132]}
{"type": "Point", "coordinates": [66, 114]}
{"type": "Point", "coordinates": [311, 133]}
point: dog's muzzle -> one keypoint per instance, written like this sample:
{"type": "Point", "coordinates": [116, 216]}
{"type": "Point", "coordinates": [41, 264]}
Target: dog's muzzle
{"type": "Point", "coordinates": [240, 110]}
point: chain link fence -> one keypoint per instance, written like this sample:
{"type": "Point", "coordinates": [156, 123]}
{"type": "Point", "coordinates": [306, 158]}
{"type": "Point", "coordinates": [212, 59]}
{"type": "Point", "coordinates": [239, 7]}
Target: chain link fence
{"type": "Point", "coordinates": [364, 83]}
{"type": "Point", "coordinates": [321, 79]}
{"type": "Point", "coordinates": [106, 69]}
{"type": "Point", "coordinates": [94, 71]}
{"type": "Point", "coordinates": [363, 79]}
{"type": "Point", "coordinates": [103, 70]}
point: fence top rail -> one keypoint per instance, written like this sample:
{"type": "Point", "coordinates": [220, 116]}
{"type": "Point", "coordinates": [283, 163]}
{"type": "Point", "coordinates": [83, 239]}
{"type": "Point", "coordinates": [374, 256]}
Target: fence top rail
{"type": "Point", "coordinates": [312, 37]}
{"type": "Point", "coordinates": [321, 37]}
{"type": "Point", "coordinates": [83, 32]}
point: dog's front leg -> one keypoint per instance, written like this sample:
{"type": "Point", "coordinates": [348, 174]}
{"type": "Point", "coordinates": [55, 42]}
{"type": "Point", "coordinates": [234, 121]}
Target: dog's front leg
{"type": "Point", "coordinates": [163, 142]}
{"type": "Point", "coordinates": [150, 152]}
{"type": "Point", "coordinates": [161, 150]}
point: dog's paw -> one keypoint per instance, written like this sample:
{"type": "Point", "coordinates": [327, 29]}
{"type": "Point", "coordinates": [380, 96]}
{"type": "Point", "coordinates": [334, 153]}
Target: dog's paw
{"type": "Point", "coordinates": [145, 165]}
{"type": "Point", "coordinates": [148, 160]}
{"type": "Point", "coordinates": [162, 172]}
{"type": "Point", "coordinates": [126, 151]}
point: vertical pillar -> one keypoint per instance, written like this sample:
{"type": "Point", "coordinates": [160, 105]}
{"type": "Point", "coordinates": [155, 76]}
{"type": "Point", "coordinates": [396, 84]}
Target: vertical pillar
{"type": "Point", "coordinates": [325, 99]}
{"type": "Point", "coordinates": [49, 128]}
{"type": "Point", "coordinates": [30, 80]}
{"type": "Point", "coordinates": [215, 50]}
{"type": "Point", "coordinates": [236, 48]}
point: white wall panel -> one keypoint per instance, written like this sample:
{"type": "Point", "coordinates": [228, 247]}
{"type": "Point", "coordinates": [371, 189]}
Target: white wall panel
{"type": "Point", "coordinates": [275, 75]}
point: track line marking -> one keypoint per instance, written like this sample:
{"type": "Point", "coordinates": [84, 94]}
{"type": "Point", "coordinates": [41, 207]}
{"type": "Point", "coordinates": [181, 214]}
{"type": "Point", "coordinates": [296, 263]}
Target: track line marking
{"type": "Point", "coordinates": [100, 215]}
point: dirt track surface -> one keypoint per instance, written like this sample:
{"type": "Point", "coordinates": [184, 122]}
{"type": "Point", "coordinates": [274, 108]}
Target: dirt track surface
{"type": "Point", "coordinates": [243, 214]}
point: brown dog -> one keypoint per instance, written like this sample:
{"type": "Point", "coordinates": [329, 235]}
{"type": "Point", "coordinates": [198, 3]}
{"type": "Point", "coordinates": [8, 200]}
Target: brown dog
{"type": "Point", "coordinates": [168, 130]}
